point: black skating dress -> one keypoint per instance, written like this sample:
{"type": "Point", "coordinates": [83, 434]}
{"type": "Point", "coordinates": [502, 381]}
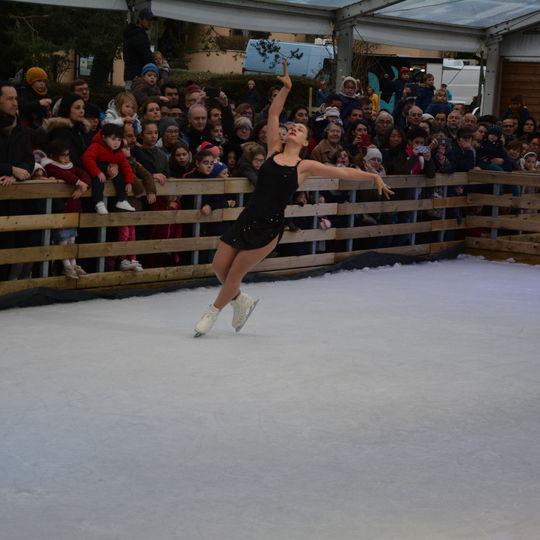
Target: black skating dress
{"type": "Point", "coordinates": [264, 216]}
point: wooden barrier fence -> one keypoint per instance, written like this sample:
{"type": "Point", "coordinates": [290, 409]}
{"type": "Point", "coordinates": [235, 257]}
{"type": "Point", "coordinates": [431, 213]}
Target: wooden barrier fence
{"type": "Point", "coordinates": [414, 203]}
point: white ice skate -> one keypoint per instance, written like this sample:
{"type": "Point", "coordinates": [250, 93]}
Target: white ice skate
{"type": "Point", "coordinates": [243, 305]}
{"type": "Point", "coordinates": [207, 321]}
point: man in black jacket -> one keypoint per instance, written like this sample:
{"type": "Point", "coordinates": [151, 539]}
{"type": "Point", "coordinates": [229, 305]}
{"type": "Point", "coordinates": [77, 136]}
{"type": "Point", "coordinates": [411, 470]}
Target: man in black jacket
{"type": "Point", "coordinates": [16, 161]}
{"type": "Point", "coordinates": [137, 51]}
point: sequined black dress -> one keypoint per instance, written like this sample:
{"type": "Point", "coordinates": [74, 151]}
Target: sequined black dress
{"type": "Point", "coordinates": [263, 218]}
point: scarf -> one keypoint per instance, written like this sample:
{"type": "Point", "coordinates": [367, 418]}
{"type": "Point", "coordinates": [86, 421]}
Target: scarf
{"type": "Point", "coordinates": [41, 93]}
{"type": "Point", "coordinates": [49, 161]}
{"type": "Point", "coordinates": [7, 123]}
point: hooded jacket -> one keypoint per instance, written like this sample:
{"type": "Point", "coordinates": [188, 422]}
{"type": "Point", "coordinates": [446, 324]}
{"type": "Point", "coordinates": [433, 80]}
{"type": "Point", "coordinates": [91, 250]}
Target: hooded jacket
{"type": "Point", "coordinates": [99, 151]}
{"type": "Point", "coordinates": [76, 135]}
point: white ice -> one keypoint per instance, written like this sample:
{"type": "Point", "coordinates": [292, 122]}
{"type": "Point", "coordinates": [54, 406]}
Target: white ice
{"type": "Point", "coordinates": [400, 403]}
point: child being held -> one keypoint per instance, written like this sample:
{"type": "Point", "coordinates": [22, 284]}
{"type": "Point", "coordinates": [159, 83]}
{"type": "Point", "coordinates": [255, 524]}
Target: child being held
{"type": "Point", "coordinates": [145, 86]}
{"type": "Point", "coordinates": [122, 110]}
{"type": "Point", "coordinates": [106, 148]}
{"type": "Point", "coordinates": [59, 166]}
{"type": "Point", "coordinates": [164, 68]}
{"type": "Point", "coordinates": [491, 154]}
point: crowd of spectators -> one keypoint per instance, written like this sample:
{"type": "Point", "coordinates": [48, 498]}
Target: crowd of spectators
{"type": "Point", "coordinates": [155, 130]}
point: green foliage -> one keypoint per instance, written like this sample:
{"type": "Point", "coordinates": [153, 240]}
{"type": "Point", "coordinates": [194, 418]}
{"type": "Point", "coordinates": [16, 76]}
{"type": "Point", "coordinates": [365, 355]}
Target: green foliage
{"type": "Point", "coordinates": [31, 33]}
{"type": "Point", "coordinates": [270, 50]}
{"type": "Point", "coordinates": [236, 85]}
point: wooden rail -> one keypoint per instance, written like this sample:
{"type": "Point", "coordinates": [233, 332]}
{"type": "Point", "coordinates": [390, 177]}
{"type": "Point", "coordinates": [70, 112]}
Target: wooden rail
{"type": "Point", "coordinates": [422, 233]}
{"type": "Point", "coordinates": [509, 214]}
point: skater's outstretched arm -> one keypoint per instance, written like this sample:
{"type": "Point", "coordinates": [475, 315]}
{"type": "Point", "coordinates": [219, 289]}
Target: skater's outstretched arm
{"type": "Point", "coordinates": [272, 134]}
{"type": "Point", "coordinates": [309, 167]}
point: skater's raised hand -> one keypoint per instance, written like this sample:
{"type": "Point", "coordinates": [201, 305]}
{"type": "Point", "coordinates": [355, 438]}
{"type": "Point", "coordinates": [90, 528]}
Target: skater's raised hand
{"type": "Point", "coordinates": [382, 188]}
{"type": "Point", "coordinates": [285, 79]}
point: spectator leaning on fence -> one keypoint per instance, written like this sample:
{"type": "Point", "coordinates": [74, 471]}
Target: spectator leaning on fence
{"type": "Point", "coordinates": [16, 164]}
{"type": "Point", "coordinates": [58, 165]}
{"type": "Point", "coordinates": [106, 148]}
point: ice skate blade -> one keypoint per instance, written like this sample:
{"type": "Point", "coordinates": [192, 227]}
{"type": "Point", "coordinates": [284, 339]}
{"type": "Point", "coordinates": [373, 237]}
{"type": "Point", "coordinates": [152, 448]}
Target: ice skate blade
{"type": "Point", "coordinates": [248, 314]}
{"type": "Point", "coordinates": [198, 334]}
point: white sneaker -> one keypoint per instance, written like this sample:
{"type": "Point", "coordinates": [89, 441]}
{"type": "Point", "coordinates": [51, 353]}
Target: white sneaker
{"type": "Point", "coordinates": [101, 208]}
{"type": "Point", "coordinates": [125, 264]}
{"type": "Point", "coordinates": [207, 321]}
{"type": "Point", "coordinates": [136, 266]}
{"type": "Point", "coordinates": [124, 205]}
{"type": "Point", "coordinates": [243, 305]}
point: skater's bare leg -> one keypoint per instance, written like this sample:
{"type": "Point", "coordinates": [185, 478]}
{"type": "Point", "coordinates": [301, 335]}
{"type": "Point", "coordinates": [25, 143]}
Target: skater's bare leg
{"type": "Point", "coordinates": [243, 262]}
{"type": "Point", "coordinates": [223, 260]}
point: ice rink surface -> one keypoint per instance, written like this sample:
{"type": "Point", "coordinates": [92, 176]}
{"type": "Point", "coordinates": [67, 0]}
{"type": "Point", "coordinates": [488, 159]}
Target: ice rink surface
{"type": "Point", "coordinates": [399, 403]}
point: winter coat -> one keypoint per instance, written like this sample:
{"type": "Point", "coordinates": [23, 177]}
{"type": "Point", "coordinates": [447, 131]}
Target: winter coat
{"type": "Point", "coordinates": [29, 103]}
{"type": "Point", "coordinates": [490, 150]}
{"type": "Point", "coordinates": [70, 175]}
{"type": "Point", "coordinates": [15, 147]}
{"type": "Point", "coordinates": [396, 161]}
{"type": "Point", "coordinates": [16, 151]}
{"type": "Point", "coordinates": [75, 135]}
{"type": "Point", "coordinates": [463, 160]}
{"type": "Point", "coordinates": [253, 97]}
{"type": "Point", "coordinates": [348, 104]}
{"type": "Point", "coordinates": [244, 168]}
{"type": "Point", "coordinates": [137, 51]}
{"type": "Point", "coordinates": [154, 160]}
{"type": "Point", "coordinates": [323, 151]}
{"type": "Point", "coordinates": [425, 97]}
{"type": "Point", "coordinates": [98, 151]}
{"type": "Point", "coordinates": [196, 138]}
{"type": "Point", "coordinates": [437, 107]}
{"type": "Point", "coordinates": [112, 116]}
{"type": "Point", "coordinates": [144, 91]}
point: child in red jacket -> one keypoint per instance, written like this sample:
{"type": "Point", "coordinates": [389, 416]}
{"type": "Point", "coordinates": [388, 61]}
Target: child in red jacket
{"type": "Point", "coordinates": [58, 165]}
{"type": "Point", "coordinates": [106, 148]}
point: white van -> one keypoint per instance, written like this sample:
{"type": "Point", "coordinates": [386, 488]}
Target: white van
{"type": "Point", "coordinates": [462, 79]}
{"type": "Point", "coordinates": [310, 63]}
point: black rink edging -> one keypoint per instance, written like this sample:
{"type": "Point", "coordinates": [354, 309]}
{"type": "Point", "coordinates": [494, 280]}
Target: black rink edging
{"type": "Point", "coordinates": [42, 296]}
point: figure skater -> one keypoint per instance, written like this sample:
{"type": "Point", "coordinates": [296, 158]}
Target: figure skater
{"type": "Point", "coordinates": [259, 227]}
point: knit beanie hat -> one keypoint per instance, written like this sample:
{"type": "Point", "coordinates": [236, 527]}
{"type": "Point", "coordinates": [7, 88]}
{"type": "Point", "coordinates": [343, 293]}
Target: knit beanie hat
{"type": "Point", "coordinates": [65, 106]}
{"type": "Point", "coordinates": [495, 130]}
{"type": "Point", "coordinates": [150, 67]}
{"type": "Point", "coordinates": [331, 111]}
{"type": "Point", "coordinates": [349, 79]}
{"type": "Point", "coordinates": [165, 123]}
{"type": "Point", "coordinates": [218, 167]}
{"type": "Point", "coordinates": [205, 145]}
{"type": "Point", "coordinates": [36, 74]}
{"type": "Point", "coordinates": [373, 153]}
{"type": "Point", "coordinates": [242, 121]}
{"type": "Point", "coordinates": [404, 70]}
